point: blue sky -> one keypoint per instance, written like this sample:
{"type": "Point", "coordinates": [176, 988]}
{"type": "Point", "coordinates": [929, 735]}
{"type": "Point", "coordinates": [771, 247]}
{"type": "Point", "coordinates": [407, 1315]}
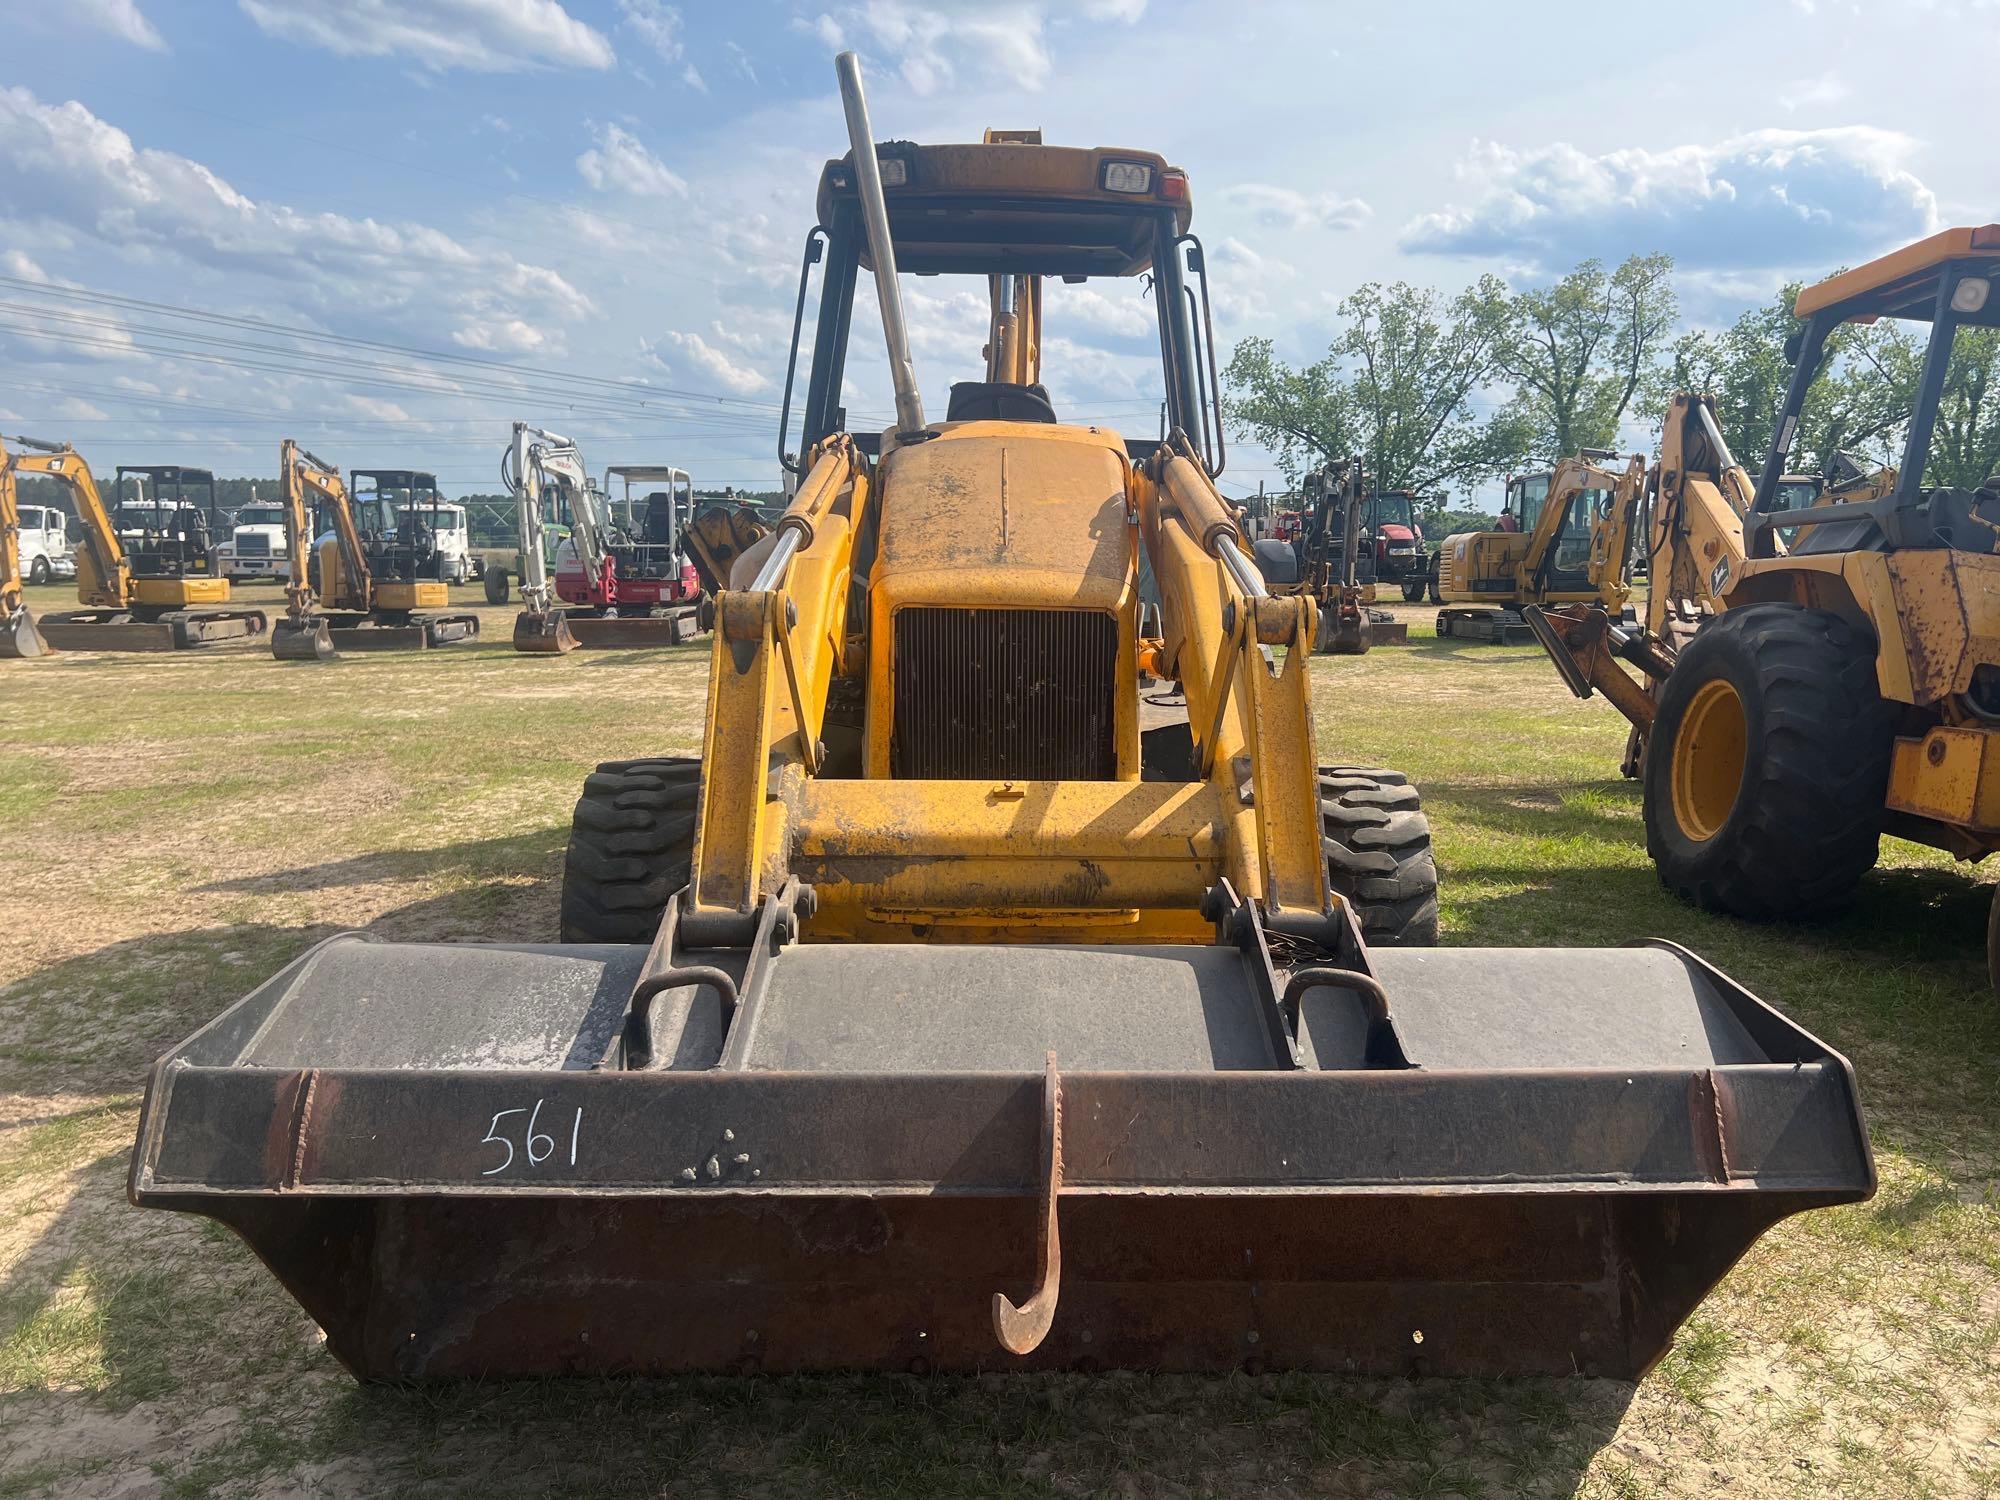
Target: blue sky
{"type": "Point", "coordinates": [617, 190]}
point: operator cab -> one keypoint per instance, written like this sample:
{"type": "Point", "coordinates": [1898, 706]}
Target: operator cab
{"type": "Point", "coordinates": [399, 514]}
{"type": "Point", "coordinates": [167, 520]}
{"type": "Point", "coordinates": [1936, 495]}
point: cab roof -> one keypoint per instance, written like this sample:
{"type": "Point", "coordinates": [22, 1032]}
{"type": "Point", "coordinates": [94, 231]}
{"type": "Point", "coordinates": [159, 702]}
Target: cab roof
{"type": "Point", "coordinates": [1903, 283]}
{"type": "Point", "coordinates": [170, 473]}
{"type": "Point", "coordinates": [397, 479]}
{"type": "Point", "coordinates": [1013, 206]}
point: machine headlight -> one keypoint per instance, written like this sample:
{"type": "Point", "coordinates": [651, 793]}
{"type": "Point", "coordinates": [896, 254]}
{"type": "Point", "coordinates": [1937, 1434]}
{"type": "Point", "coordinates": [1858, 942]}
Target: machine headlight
{"type": "Point", "coordinates": [1128, 177]}
{"type": "Point", "coordinates": [1969, 296]}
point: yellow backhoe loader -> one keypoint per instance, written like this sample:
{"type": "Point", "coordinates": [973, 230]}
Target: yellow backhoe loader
{"type": "Point", "coordinates": [18, 636]}
{"type": "Point", "coordinates": [1571, 528]}
{"type": "Point", "coordinates": [359, 590]}
{"type": "Point", "coordinates": [943, 1014]}
{"type": "Point", "coordinates": [147, 572]}
{"type": "Point", "coordinates": [1793, 703]}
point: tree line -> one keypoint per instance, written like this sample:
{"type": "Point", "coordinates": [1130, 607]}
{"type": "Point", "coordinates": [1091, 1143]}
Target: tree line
{"type": "Point", "coordinates": [1442, 392]}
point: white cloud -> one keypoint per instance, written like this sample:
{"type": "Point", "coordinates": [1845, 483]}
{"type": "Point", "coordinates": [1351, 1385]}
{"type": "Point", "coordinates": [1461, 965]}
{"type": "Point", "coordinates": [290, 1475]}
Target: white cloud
{"type": "Point", "coordinates": [1770, 198]}
{"type": "Point", "coordinates": [119, 18]}
{"type": "Point", "coordinates": [620, 163]}
{"type": "Point", "coordinates": [82, 175]}
{"type": "Point", "coordinates": [713, 362]}
{"type": "Point", "coordinates": [656, 24]}
{"type": "Point", "coordinates": [691, 76]}
{"type": "Point", "coordinates": [934, 42]}
{"type": "Point", "coordinates": [1809, 93]}
{"type": "Point", "coordinates": [482, 36]}
{"type": "Point", "coordinates": [1287, 208]}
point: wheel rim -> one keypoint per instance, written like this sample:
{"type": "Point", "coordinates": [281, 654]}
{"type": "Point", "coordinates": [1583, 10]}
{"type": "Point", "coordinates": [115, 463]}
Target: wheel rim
{"type": "Point", "coordinates": [1709, 753]}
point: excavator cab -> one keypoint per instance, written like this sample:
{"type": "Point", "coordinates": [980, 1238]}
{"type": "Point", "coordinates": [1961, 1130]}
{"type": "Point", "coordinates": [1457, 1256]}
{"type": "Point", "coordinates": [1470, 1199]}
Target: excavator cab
{"type": "Point", "coordinates": [950, 1012]}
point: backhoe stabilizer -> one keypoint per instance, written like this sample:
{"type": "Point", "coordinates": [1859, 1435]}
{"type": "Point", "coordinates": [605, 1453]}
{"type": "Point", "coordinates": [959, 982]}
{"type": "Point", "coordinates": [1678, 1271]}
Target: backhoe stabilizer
{"type": "Point", "coordinates": [1523, 1161]}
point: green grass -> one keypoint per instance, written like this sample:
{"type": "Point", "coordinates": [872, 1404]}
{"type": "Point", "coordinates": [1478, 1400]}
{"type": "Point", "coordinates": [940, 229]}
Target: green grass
{"type": "Point", "coordinates": [187, 825]}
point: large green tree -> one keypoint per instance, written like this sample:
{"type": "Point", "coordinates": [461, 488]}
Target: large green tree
{"type": "Point", "coordinates": [1580, 351]}
{"type": "Point", "coordinates": [1396, 384]}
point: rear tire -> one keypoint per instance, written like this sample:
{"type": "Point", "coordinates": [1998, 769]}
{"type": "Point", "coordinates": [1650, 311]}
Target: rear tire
{"type": "Point", "coordinates": [1378, 854]}
{"type": "Point", "coordinates": [1768, 763]}
{"type": "Point", "coordinates": [631, 847]}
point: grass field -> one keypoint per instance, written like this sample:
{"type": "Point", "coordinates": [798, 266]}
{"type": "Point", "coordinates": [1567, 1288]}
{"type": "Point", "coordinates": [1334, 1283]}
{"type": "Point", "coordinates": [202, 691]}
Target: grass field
{"type": "Point", "coordinates": [177, 827]}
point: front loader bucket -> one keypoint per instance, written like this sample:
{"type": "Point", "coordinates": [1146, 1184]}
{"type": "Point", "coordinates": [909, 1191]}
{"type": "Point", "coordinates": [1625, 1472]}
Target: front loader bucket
{"type": "Point", "coordinates": [633, 632]}
{"type": "Point", "coordinates": [543, 633]}
{"type": "Point", "coordinates": [846, 1156]}
{"type": "Point", "coordinates": [302, 640]}
{"type": "Point", "coordinates": [19, 637]}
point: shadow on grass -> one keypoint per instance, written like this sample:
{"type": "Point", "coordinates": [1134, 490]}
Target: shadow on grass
{"type": "Point", "coordinates": [505, 855]}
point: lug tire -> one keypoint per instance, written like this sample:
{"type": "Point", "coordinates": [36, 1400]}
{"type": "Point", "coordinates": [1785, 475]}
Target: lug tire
{"type": "Point", "coordinates": [1413, 591]}
{"type": "Point", "coordinates": [1378, 854]}
{"type": "Point", "coordinates": [1805, 822]}
{"type": "Point", "coordinates": [631, 847]}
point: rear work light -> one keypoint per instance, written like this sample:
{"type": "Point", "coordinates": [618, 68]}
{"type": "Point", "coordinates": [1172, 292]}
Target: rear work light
{"type": "Point", "coordinates": [1127, 177]}
{"type": "Point", "coordinates": [894, 169]}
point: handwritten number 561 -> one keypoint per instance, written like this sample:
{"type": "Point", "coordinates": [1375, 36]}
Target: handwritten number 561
{"type": "Point", "coordinates": [539, 1146]}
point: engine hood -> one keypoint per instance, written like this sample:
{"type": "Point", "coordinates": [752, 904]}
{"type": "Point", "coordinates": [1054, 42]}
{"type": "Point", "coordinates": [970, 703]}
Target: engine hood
{"type": "Point", "coordinates": [1012, 514]}
{"type": "Point", "coordinates": [1395, 531]}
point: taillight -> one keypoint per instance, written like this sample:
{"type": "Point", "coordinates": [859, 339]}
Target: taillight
{"type": "Point", "coordinates": [1173, 184]}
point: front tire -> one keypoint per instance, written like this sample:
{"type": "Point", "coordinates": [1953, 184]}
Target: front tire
{"type": "Point", "coordinates": [1413, 590]}
{"type": "Point", "coordinates": [631, 848]}
{"type": "Point", "coordinates": [39, 571]}
{"type": "Point", "coordinates": [1378, 854]}
{"type": "Point", "coordinates": [1768, 763]}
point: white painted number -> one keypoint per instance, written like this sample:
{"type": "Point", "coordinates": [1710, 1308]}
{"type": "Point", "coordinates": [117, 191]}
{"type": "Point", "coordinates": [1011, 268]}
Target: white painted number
{"type": "Point", "coordinates": [539, 1145]}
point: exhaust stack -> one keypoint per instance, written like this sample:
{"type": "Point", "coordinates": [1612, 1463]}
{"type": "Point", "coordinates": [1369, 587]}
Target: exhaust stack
{"type": "Point", "coordinates": [910, 425]}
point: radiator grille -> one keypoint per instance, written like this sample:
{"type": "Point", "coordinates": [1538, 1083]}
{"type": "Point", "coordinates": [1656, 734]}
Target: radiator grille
{"type": "Point", "coordinates": [1448, 579]}
{"type": "Point", "coordinates": [1023, 694]}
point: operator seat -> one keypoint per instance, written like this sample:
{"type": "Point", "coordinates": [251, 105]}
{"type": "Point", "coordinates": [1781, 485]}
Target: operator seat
{"type": "Point", "coordinates": [998, 401]}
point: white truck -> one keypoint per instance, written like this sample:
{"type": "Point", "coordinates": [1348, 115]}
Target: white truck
{"type": "Point", "coordinates": [453, 533]}
{"type": "Point", "coordinates": [256, 545]}
{"type": "Point", "coordinates": [46, 554]}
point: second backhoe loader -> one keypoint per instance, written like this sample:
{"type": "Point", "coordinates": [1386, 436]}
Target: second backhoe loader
{"type": "Point", "coordinates": [945, 1014]}
{"type": "Point", "coordinates": [1327, 562]}
{"type": "Point", "coordinates": [147, 573]}
{"type": "Point", "coordinates": [1793, 703]}
{"type": "Point", "coordinates": [338, 598]}
{"type": "Point", "coordinates": [1571, 529]}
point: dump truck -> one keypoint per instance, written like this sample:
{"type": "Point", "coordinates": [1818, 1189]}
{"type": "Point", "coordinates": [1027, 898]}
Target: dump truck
{"type": "Point", "coordinates": [148, 572]}
{"type": "Point", "coordinates": [946, 1015]}
{"type": "Point", "coordinates": [1563, 538]}
{"type": "Point", "coordinates": [1792, 702]}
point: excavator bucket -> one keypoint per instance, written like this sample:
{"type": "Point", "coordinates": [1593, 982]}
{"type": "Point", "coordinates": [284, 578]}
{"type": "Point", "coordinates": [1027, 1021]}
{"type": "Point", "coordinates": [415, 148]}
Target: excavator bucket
{"type": "Point", "coordinates": [302, 640]}
{"type": "Point", "coordinates": [543, 633]}
{"type": "Point", "coordinates": [19, 637]}
{"type": "Point", "coordinates": [470, 1161]}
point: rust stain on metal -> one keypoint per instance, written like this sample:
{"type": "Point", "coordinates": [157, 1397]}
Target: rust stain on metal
{"type": "Point", "coordinates": [1709, 1122]}
{"type": "Point", "coordinates": [301, 1124]}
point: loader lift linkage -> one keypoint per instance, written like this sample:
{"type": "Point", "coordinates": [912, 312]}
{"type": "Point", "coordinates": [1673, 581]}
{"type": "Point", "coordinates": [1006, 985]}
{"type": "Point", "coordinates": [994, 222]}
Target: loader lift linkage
{"type": "Point", "coordinates": [946, 1014]}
